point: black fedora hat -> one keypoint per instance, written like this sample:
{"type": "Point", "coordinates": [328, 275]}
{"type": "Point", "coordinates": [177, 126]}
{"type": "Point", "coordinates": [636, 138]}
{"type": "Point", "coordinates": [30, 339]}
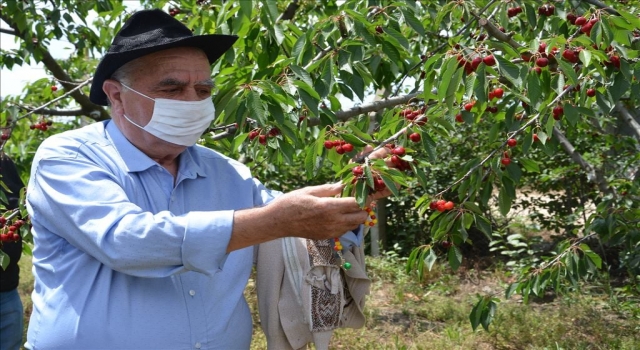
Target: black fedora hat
{"type": "Point", "coordinates": [146, 32]}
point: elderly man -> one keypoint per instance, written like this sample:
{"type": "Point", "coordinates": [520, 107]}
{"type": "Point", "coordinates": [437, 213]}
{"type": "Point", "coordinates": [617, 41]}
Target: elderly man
{"type": "Point", "coordinates": [144, 240]}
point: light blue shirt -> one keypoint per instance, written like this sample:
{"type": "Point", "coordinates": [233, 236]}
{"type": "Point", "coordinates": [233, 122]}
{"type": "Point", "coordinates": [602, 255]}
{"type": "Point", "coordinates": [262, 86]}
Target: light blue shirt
{"type": "Point", "coordinates": [125, 259]}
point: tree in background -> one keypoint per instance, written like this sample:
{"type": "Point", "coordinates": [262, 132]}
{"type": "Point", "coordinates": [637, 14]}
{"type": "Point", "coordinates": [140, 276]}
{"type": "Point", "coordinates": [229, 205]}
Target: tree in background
{"type": "Point", "coordinates": [477, 100]}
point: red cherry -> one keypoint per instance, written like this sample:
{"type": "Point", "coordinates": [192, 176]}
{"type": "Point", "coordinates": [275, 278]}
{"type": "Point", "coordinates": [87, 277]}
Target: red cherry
{"type": "Point", "coordinates": [489, 60]}
{"type": "Point", "coordinates": [262, 139]}
{"type": "Point", "coordinates": [558, 111]}
{"type": "Point", "coordinates": [448, 205]}
{"type": "Point", "coordinates": [54, 88]}
{"type": "Point", "coordinates": [505, 161]}
{"type": "Point", "coordinates": [570, 55]}
{"type": "Point", "coordinates": [535, 138]}
{"type": "Point", "coordinates": [379, 30]}
{"type": "Point", "coordinates": [511, 142]}
{"type": "Point", "coordinates": [446, 244]}
{"type": "Point", "coordinates": [542, 48]}
{"type": "Point", "coordinates": [542, 62]}
{"type": "Point", "coordinates": [415, 137]}
{"type": "Point", "coordinates": [347, 147]}
{"type": "Point", "coordinates": [16, 237]}
{"type": "Point", "coordinates": [253, 134]}
{"type": "Point", "coordinates": [400, 151]}
{"type": "Point", "coordinates": [468, 106]}
{"type": "Point", "coordinates": [498, 92]}
{"type": "Point", "coordinates": [379, 184]}
{"type": "Point", "coordinates": [572, 18]}
{"type": "Point", "coordinates": [328, 144]}
{"type": "Point", "coordinates": [591, 92]}
{"type": "Point", "coordinates": [580, 21]}
{"type": "Point", "coordinates": [433, 205]}
{"type": "Point", "coordinates": [476, 62]}
{"type": "Point", "coordinates": [4, 136]}
{"type": "Point", "coordinates": [459, 118]}
{"type": "Point", "coordinates": [357, 171]}
{"type": "Point", "coordinates": [340, 150]}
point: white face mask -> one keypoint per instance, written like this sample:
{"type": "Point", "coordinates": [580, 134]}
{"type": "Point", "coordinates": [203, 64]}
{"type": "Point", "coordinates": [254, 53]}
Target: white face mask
{"type": "Point", "coordinates": [178, 122]}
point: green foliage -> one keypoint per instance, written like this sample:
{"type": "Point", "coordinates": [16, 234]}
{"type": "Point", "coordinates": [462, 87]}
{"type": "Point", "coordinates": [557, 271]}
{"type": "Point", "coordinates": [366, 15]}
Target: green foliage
{"type": "Point", "coordinates": [294, 69]}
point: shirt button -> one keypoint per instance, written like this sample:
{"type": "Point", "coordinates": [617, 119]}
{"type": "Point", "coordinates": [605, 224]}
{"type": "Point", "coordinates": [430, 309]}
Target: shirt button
{"type": "Point", "coordinates": [198, 345]}
{"type": "Point", "coordinates": [192, 293]}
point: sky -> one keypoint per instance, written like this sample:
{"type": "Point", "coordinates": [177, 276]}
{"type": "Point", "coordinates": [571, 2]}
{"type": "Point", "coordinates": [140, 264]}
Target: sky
{"type": "Point", "coordinates": [12, 81]}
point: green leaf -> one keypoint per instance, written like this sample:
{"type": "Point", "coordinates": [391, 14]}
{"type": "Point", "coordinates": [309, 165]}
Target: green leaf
{"type": "Point", "coordinates": [397, 37]}
{"type": "Point", "coordinates": [256, 107]}
{"type": "Point", "coordinates": [476, 313]}
{"type": "Point", "coordinates": [534, 91]}
{"type": "Point", "coordinates": [449, 68]}
{"type": "Point", "coordinates": [391, 185]}
{"type": "Point", "coordinates": [509, 70]}
{"type": "Point", "coordinates": [529, 165]}
{"type": "Point", "coordinates": [568, 71]}
{"type": "Point", "coordinates": [504, 201]}
{"type": "Point", "coordinates": [352, 139]}
{"type": "Point", "coordinates": [412, 21]}
{"type": "Point", "coordinates": [585, 57]}
{"type": "Point", "coordinates": [362, 192]}
{"type": "Point", "coordinates": [429, 145]}
{"type": "Point", "coordinates": [420, 175]}
{"type": "Point", "coordinates": [302, 74]}
{"type": "Point", "coordinates": [455, 258]}
{"type": "Point", "coordinates": [620, 87]}
{"type": "Point", "coordinates": [430, 259]}
{"type": "Point", "coordinates": [4, 260]}
{"type": "Point", "coordinates": [571, 113]}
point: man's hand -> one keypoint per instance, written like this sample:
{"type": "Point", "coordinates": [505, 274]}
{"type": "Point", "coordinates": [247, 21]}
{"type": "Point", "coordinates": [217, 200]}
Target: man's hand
{"type": "Point", "coordinates": [312, 212]}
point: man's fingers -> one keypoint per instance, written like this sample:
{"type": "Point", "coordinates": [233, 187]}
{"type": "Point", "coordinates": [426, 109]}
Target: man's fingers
{"type": "Point", "coordinates": [327, 190]}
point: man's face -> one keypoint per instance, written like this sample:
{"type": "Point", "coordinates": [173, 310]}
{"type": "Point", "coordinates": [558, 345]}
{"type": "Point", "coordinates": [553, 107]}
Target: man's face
{"type": "Point", "coordinates": [179, 74]}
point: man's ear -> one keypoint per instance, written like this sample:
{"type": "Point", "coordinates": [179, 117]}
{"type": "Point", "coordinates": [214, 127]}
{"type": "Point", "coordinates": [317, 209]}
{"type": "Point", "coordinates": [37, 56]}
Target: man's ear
{"type": "Point", "coordinates": [113, 88]}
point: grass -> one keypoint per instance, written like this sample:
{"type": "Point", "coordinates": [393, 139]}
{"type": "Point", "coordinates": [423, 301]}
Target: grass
{"type": "Point", "coordinates": [404, 314]}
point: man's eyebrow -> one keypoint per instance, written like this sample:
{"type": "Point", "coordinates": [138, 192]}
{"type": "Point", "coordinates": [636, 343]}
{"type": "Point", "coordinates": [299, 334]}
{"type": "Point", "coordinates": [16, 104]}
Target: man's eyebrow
{"type": "Point", "coordinates": [176, 82]}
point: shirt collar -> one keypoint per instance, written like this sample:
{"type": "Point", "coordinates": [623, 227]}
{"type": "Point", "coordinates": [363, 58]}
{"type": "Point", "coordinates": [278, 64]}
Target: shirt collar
{"type": "Point", "coordinates": [136, 161]}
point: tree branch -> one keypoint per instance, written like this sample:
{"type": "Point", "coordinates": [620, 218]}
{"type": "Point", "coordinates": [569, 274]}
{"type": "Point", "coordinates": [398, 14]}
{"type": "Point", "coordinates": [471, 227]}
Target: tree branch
{"type": "Point", "coordinates": [289, 12]}
{"type": "Point", "coordinates": [602, 6]}
{"type": "Point", "coordinates": [592, 174]}
{"type": "Point", "coordinates": [628, 118]}
{"type": "Point", "coordinates": [90, 109]}
{"type": "Point", "coordinates": [55, 112]}
{"type": "Point", "coordinates": [8, 31]}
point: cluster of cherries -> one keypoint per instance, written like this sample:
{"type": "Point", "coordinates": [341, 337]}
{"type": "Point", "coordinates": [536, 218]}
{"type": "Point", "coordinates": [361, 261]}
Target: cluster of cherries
{"type": "Point", "coordinates": [378, 183]}
{"type": "Point", "coordinates": [441, 205]}
{"type": "Point", "coordinates": [10, 232]}
{"type": "Point", "coordinates": [470, 66]}
{"type": "Point", "coordinates": [506, 159]}
{"type": "Point", "coordinates": [262, 138]}
{"type": "Point", "coordinates": [546, 10]}
{"type": "Point", "coordinates": [341, 146]}
{"type": "Point", "coordinates": [396, 153]}
{"type": "Point", "coordinates": [42, 125]}
{"type": "Point", "coordinates": [514, 11]}
{"type": "Point", "coordinates": [584, 23]}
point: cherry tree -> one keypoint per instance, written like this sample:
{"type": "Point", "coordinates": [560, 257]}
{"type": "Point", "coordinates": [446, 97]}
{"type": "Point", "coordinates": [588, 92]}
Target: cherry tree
{"type": "Point", "coordinates": [510, 89]}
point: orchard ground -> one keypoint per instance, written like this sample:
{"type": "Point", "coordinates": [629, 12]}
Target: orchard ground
{"type": "Point", "coordinates": [404, 314]}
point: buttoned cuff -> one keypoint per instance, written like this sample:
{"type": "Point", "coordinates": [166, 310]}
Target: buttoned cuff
{"type": "Point", "coordinates": [206, 239]}
{"type": "Point", "coordinates": [352, 238]}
